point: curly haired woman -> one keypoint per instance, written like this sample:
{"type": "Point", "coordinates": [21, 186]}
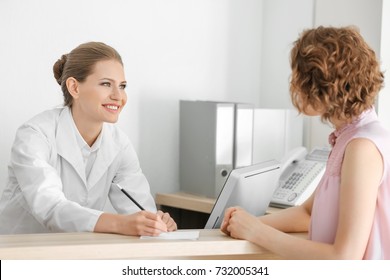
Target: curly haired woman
{"type": "Point", "coordinates": [335, 75]}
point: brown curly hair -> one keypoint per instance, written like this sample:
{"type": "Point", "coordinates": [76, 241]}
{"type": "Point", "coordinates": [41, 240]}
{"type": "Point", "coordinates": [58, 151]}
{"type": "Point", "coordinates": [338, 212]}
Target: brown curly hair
{"type": "Point", "coordinates": [335, 72]}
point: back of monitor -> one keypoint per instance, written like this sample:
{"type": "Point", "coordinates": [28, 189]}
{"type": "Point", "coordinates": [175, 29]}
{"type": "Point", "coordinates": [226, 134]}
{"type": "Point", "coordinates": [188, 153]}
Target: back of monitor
{"type": "Point", "coordinates": [250, 188]}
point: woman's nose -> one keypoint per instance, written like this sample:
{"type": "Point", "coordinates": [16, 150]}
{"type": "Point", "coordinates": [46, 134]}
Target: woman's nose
{"type": "Point", "coordinates": [116, 94]}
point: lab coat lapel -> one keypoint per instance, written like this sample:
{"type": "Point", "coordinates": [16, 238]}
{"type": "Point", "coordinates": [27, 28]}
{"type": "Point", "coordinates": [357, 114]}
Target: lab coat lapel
{"type": "Point", "coordinates": [67, 146]}
{"type": "Point", "coordinates": [109, 149]}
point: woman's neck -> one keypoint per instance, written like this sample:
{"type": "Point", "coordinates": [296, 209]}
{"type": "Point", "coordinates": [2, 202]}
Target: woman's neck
{"type": "Point", "coordinates": [337, 124]}
{"type": "Point", "coordinates": [88, 130]}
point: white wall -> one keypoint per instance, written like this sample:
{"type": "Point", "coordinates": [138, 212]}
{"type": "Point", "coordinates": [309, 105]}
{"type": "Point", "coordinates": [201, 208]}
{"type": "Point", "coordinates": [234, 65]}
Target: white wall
{"type": "Point", "coordinates": [384, 96]}
{"type": "Point", "coordinates": [219, 62]}
{"type": "Point", "coordinates": [172, 49]}
{"type": "Point", "coordinates": [282, 22]}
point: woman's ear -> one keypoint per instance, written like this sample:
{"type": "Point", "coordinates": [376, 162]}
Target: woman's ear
{"type": "Point", "coordinates": [73, 87]}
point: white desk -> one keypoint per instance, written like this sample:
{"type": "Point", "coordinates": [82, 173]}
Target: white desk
{"type": "Point", "coordinates": [212, 244]}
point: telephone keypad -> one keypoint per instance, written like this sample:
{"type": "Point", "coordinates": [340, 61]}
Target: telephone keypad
{"type": "Point", "coordinates": [298, 180]}
{"type": "Point", "coordinates": [300, 177]}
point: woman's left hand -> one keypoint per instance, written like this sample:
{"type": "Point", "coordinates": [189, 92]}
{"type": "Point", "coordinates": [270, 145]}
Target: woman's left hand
{"type": "Point", "coordinates": [241, 225]}
{"type": "Point", "coordinates": [167, 219]}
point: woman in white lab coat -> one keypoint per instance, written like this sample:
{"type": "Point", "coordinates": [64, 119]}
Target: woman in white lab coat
{"type": "Point", "coordinates": [66, 162]}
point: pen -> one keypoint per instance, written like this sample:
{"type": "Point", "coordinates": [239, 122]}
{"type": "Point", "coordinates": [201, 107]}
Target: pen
{"type": "Point", "coordinates": [130, 197]}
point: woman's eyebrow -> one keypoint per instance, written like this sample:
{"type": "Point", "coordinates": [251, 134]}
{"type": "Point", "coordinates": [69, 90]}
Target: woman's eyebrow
{"type": "Point", "coordinates": [112, 80]}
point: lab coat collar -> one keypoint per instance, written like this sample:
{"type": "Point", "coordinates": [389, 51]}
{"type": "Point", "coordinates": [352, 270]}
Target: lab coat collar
{"type": "Point", "coordinates": [68, 148]}
{"type": "Point", "coordinates": [108, 151]}
{"type": "Point", "coordinates": [67, 143]}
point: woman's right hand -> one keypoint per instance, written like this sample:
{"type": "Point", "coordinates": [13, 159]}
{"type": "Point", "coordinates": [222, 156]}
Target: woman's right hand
{"type": "Point", "coordinates": [143, 223]}
{"type": "Point", "coordinates": [140, 223]}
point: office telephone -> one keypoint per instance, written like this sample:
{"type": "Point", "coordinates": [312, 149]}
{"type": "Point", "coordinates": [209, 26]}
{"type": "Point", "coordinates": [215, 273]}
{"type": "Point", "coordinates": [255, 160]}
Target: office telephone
{"type": "Point", "coordinates": [300, 175]}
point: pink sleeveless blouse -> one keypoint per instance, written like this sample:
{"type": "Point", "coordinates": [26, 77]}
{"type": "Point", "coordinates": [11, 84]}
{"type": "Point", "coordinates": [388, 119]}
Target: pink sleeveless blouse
{"type": "Point", "coordinates": [325, 210]}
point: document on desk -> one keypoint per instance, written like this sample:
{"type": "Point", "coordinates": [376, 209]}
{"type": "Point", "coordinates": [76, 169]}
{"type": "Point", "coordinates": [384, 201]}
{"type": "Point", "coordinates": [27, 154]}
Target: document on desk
{"type": "Point", "coordinates": [176, 235]}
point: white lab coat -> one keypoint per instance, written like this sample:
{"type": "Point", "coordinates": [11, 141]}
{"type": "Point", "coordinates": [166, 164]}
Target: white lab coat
{"type": "Point", "coordinates": [47, 190]}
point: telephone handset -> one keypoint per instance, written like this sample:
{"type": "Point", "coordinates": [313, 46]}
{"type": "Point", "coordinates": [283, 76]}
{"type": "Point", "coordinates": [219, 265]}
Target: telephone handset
{"type": "Point", "coordinates": [301, 173]}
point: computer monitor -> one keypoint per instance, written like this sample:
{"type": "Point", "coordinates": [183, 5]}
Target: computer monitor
{"type": "Point", "coordinates": [249, 187]}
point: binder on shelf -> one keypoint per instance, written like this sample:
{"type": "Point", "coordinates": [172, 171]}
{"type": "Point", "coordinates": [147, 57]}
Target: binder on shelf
{"type": "Point", "coordinates": [215, 138]}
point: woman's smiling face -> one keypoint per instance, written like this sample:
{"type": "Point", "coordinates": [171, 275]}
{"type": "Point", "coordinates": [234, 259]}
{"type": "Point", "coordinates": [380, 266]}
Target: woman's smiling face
{"type": "Point", "coordinates": [101, 97]}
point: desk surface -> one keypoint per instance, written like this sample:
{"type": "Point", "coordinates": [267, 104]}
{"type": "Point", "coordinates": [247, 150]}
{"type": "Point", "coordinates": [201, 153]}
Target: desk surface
{"type": "Point", "coordinates": [186, 201]}
{"type": "Point", "coordinates": [212, 244]}
{"type": "Point", "coordinates": [192, 202]}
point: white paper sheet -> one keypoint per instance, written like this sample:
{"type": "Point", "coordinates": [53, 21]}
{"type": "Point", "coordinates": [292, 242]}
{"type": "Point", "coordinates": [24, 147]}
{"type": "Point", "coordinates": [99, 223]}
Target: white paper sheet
{"type": "Point", "coordinates": [176, 235]}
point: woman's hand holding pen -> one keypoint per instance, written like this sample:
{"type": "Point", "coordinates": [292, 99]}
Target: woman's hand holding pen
{"type": "Point", "coordinates": [140, 223]}
{"type": "Point", "coordinates": [160, 220]}
{"type": "Point", "coordinates": [144, 223]}
{"type": "Point", "coordinates": [148, 223]}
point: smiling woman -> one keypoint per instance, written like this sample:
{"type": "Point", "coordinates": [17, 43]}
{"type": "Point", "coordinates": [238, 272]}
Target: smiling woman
{"type": "Point", "coordinates": [67, 161]}
{"type": "Point", "coordinates": [100, 98]}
